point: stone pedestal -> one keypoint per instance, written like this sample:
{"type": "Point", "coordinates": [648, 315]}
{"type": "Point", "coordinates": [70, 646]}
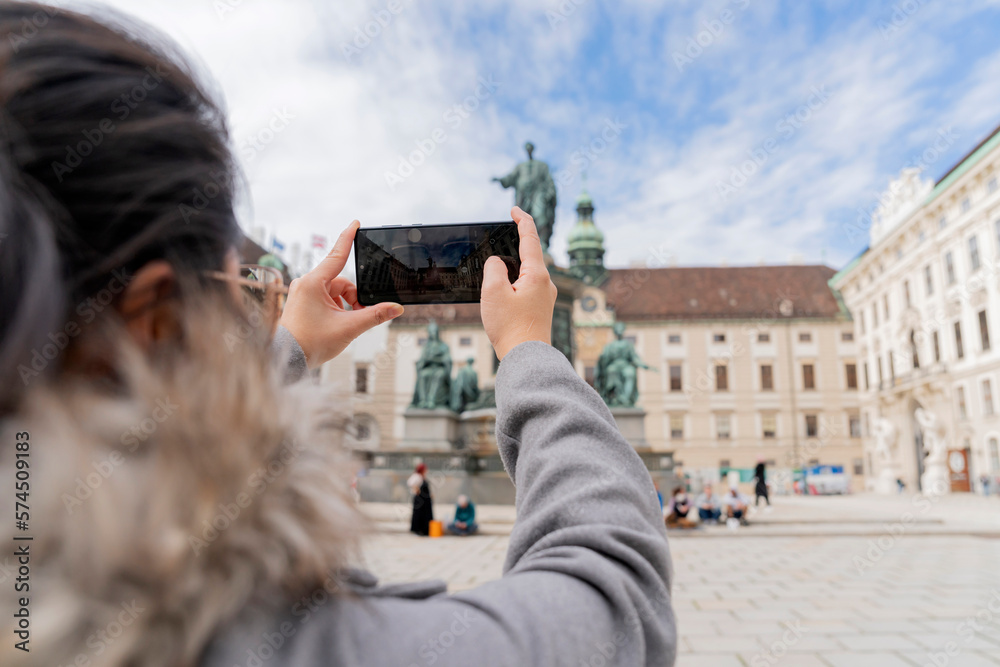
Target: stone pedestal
{"type": "Point", "coordinates": [430, 430]}
{"type": "Point", "coordinates": [477, 432]}
{"type": "Point", "coordinates": [632, 424]}
{"type": "Point", "coordinates": [935, 481]}
{"type": "Point", "coordinates": [886, 484]}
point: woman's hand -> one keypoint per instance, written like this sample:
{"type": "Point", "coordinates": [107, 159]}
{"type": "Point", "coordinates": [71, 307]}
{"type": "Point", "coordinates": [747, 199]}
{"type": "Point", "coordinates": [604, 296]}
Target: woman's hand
{"type": "Point", "coordinates": [514, 314]}
{"type": "Point", "coordinates": [315, 313]}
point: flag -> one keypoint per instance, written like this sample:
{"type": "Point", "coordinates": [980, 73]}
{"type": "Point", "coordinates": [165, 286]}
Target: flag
{"type": "Point", "coordinates": [277, 245]}
{"type": "Point", "coordinates": [319, 242]}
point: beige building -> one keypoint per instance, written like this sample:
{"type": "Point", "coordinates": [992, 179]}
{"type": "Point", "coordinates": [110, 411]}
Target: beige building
{"type": "Point", "coordinates": [926, 295]}
{"type": "Point", "coordinates": [750, 363]}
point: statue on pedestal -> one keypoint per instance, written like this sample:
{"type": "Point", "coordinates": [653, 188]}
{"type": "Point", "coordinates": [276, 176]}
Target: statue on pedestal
{"type": "Point", "coordinates": [535, 193]}
{"type": "Point", "coordinates": [935, 479]}
{"type": "Point", "coordinates": [465, 388]}
{"type": "Point", "coordinates": [885, 443]}
{"type": "Point", "coordinates": [616, 371]}
{"type": "Point", "coordinates": [433, 389]}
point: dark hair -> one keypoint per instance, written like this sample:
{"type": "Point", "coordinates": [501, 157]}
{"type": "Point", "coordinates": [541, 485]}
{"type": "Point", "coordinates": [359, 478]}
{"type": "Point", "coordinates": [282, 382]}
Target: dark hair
{"type": "Point", "coordinates": [111, 155]}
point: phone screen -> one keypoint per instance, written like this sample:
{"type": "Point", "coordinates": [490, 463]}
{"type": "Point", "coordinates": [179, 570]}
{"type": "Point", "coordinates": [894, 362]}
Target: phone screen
{"type": "Point", "coordinates": [431, 263]}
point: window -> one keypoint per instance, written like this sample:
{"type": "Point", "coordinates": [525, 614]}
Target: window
{"type": "Point", "coordinates": [676, 427]}
{"type": "Point", "coordinates": [723, 464]}
{"type": "Point", "coordinates": [928, 280]}
{"type": "Point", "coordinates": [859, 466]}
{"type": "Point", "coordinates": [719, 338]}
{"type": "Point", "coordinates": [361, 379]}
{"type": "Point", "coordinates": [847, 336]}
{"type": "Point", "coordinates": [421, 341]}
{"type": "Point", "coordinates": [994, 455]}
{"type": "Point", "coordinates": [674, 339]}
{"type": "Point", "coordinates": [959, 350]}
{"type": "Point", "coordinates": [937, 346]}
{"type": "Point", "coordinates": [885, 303]}
{"type": "Point", "coordinates": [588, 375]}
{"type": "Point", "coordinates": [867, 383]}
{"type": "Point", "coordinates": [769, 423]}
{"type": "Point", "coordinates": [942, 222]}
{"type": "Point", "coordinates": [906, 293]}
{"type": "Point", "coordinates": [974, 253]}
{"type": "Point", "coordinates": [881, 378]}
{"type": "Point", "coordinates": [852, 376]}
{"type": "Point", "coordinates": [763, 338]}
{"type": "Point", "coordinates": [675, 377]}
{"type": "Point", "coordinates": [721, 377]}
{"type": "Point", "coordinates": [808, 376]}
{"type": "Point", "coordinates": [949, 268]}
{"type": "Point", "coordinates": [991, 186]}
{"type": "Point", "coordinates": [812, 426]}
{"type": "Point", "coordinates": [914, 351]}
{"type": "Point", "coordinates": [766, 377]}
{"type": "Point", "coordinates": [854, 425]}
{"type": "Point", "coordinates": [722, 427]}
{"type": "Point", "coordinates": [465, 341]}
{"type": "Point", "coordinates": [984, 331]}
{"type": "Point", "coordinates": [632, 339]}
{"type": "Point", "coordinates": [362, 428]}
{"type": "Point", "coordinates": [987, 397]}
{"type": "Point", "coordinates": [805, 337]}
{"type": "Point", "coordinates": [966, 205]}
{"type": "Point", "coordinates": [892, 368]}
{"type": "Point", "coordinates": [874, 314]}
{"type": "Point", "coordinates": [963, 411]}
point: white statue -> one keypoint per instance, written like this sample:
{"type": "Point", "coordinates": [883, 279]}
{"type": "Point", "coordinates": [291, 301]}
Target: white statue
{"type": "Point", "coordinates": [935, 479]}
{"type": "Point", "coordinates": [885, 445]}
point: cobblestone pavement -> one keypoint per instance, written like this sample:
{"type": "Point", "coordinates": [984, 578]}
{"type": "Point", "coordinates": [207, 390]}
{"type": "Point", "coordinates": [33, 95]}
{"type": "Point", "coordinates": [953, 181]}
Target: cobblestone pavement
{"type": "Point", "coordinates": [854, 601]}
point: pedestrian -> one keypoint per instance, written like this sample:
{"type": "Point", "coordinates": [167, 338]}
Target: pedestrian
{"type": "Point", "coordinates": [708, 504]}
{"type": "Point", "coordinates": [423, 507]}
{"type": "Point", "coordinates": [678, 510]}
{"type": "Point", "coordinates": [464, 522]}
{"type": "Point", "coordinates": [760, 484]}
{"type": "Point", "coordinates": [736, 504]}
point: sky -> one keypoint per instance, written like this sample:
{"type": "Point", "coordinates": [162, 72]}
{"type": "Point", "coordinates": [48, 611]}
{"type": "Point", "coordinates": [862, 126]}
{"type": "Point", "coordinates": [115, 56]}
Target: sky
{"type": "Point", "coordinates": [730, 132]}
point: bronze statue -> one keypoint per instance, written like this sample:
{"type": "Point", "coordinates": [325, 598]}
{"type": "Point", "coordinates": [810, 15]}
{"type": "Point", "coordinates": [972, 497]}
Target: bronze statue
{"type": "Point", "coordinates": [465, 388]}
{"type": "Point", "coordinates": [535, 193]}
{"type": "Point", "coordinates": [433, 387]}
{"type": "Point", "coordinates": [615, 374]}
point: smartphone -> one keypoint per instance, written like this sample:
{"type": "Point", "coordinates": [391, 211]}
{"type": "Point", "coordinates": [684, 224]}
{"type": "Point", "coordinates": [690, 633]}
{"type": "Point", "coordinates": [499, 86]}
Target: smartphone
{"type": "Point", "coordinates": [425, 264]}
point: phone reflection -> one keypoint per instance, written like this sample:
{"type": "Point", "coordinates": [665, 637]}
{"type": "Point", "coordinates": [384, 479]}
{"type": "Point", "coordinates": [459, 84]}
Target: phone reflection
{"type": "Point", "coordinates": [432, 264]}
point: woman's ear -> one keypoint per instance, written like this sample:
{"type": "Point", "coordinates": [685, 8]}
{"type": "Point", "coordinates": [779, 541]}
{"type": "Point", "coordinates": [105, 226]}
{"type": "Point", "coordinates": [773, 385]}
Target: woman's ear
{"type": "Point", "coordinates": [146, 306]}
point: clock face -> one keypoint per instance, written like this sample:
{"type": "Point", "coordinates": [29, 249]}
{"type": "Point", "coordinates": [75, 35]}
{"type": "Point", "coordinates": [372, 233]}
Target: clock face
{"type": "Point", "coordinates": [589, 304]}
{"type": "Point", "coordinates": [956, 462]}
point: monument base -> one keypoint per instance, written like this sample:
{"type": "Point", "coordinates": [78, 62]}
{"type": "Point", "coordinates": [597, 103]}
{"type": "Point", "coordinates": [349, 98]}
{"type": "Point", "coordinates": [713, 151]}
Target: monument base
{"type": "Point", "coordinates": [477, 432]}
{"type": "Point", "coordinates": [430, 430]}
{"type": "Point", "coordinates": [935, 481]}
{"type": "Point", "coordinates": [632, 424]}
{"type": "Point", "coordinates": [886, 483]}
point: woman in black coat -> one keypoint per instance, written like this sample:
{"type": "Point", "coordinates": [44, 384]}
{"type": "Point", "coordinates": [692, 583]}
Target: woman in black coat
{"type": "Point", "coordinates": [423, 511]}
{"type": "Point", "coordinates": [760, 489]}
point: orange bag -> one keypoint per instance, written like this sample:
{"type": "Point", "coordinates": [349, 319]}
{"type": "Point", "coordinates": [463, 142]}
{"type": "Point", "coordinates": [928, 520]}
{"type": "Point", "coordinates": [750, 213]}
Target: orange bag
{"type": "Point", "coordinates": [436, 529]}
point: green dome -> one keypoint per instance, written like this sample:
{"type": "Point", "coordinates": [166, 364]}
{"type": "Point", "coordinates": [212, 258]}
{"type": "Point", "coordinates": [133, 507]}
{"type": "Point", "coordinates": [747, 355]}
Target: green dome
{"type": "Point", "coordinates": [585, 235]}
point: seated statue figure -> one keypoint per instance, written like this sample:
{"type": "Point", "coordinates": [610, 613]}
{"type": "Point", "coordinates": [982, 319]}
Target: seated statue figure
{"type": "Point", "coordinates": [465, 388]}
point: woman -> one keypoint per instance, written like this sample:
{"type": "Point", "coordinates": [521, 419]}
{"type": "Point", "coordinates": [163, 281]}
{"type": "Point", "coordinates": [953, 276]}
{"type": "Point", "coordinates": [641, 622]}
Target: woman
{"type": "Point", "coordinates": [423, 511]}
{"type": "Point", "coordinates": [185, 507]}
{"type": "Point", "coordinates": [760, 486]}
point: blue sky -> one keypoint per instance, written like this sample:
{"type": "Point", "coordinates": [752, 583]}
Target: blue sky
{"type": "Point", "coordinates": [621, 89]}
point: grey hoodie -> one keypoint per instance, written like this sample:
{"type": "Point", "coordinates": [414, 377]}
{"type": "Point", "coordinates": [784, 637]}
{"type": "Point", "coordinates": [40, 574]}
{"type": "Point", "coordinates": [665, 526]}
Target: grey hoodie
{"type": "Point", "coordinates": [587, 575]}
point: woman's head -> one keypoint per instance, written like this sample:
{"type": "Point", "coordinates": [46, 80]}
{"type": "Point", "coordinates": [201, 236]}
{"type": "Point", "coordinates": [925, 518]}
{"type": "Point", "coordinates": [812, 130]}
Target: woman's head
{"type": "Point", "coordinates": [421, 468]}
{"type": "Point", "coordinates": [113, 160]}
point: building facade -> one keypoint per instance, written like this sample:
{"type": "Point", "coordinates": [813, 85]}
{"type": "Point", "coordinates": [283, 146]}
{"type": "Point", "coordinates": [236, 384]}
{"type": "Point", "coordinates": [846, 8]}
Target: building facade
{"type": "Point", "coordinates": [749, 363]}
{"type": "Point", "coordinates": [925, 296]}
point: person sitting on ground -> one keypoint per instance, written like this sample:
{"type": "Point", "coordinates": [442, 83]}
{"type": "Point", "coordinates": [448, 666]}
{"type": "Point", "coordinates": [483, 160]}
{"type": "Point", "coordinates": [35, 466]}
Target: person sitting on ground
{"type": "Point", "coordinates": [708, 504]}
{"type": "Point", "coordinates": [736, 505]}
{"type": "Point", "coordinates": [465, 517]}
{"type": "Point", "coordinates": [678, 509]}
